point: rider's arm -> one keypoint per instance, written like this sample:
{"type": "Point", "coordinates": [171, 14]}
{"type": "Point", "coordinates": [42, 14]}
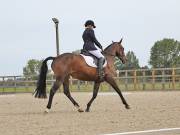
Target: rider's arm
{"type": "Point", "coordinates": [94, 39]}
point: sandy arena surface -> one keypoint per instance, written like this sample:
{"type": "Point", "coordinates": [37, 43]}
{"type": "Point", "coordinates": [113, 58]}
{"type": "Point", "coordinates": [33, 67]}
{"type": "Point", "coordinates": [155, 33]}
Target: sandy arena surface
{"type": "Point", "coordinates": [21, 114]}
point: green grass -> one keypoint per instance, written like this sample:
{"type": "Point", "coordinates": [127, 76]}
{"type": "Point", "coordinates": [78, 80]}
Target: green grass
{"type": "Point", "coordinates": [104, 87]}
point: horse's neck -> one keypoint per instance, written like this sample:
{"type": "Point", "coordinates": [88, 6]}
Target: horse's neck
{"type": "Point", "coordinates": [110, 50]}
{"type": "Point", "coordinates": [111, 60]}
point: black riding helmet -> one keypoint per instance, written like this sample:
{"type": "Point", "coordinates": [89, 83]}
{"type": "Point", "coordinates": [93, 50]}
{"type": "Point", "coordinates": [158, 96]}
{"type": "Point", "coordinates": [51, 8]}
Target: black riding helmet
{"type": "Point", "coordinates": [89, 22]}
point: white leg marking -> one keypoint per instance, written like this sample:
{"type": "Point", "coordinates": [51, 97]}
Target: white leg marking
{"type": "Point", "coordinates": [47, 110]}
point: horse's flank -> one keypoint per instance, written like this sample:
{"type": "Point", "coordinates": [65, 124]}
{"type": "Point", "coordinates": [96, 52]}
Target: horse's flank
{"type": "Point", "coordinates": [73, 65]}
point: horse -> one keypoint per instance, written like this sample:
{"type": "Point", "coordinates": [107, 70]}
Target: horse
{"type": "Point", "coordinates": [69, 64]}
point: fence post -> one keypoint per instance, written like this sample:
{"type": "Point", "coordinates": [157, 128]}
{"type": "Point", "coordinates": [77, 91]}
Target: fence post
{"type": "Point", "coordinates": [153, 79]}
{"type": "Point", "coordinates": [78, 85]}
{"type": "Point", "coordinates": [173, 78]}
{"type": "Point", "coordinates": [86, 82]}
{"type": "Point", "coordinates": [26, 83]}
{"type": "Point", "coordinates": [144, 80]}
{"type": "Point", "coordinates": [117, 72]}
{"type": "Point", "coordinates": [3, 84]}
{"type": "Point", "coordinates": [71, 82]}
{"type": "Point", "coordinates": [135, 79]}
{"type": "Point", "coordinates": [117, 77]}
{"type": "Point", "coordinates": [126, 80]}
{"type": "Point", "coordinates": [163, 79]}
{"type": "Point", "coordinates": [52, 78]}
{"type": "Point", "coordinates": [15, 84]}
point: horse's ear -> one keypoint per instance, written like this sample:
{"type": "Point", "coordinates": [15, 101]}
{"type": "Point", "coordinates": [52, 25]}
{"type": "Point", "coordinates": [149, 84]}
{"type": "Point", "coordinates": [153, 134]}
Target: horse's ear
{"type": "Point", "coordinates": [120, 41]}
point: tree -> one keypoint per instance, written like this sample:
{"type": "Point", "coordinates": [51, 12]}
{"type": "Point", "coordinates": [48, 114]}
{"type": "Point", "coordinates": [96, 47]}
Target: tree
{"type": "Point", "coordinates": [118, 64]}
{"type": "Point", "coordinates": [165, 53]}
{"type": "Point", "coordinates": [32, 67]}
{"type": "Point", "coordinates": [132, 62]}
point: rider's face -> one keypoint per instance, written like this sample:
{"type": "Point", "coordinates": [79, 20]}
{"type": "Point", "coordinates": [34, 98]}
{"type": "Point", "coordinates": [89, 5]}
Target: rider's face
{"type": "Point", "coordinates": [90, 26]}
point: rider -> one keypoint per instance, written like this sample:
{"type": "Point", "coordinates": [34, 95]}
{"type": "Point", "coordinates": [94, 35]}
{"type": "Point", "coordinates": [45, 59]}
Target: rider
{"type": "Point", "coordinates": [89, 41]}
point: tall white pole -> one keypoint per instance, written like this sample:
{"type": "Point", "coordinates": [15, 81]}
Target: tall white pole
{"type": "Point", "coordinates": [56, 21]}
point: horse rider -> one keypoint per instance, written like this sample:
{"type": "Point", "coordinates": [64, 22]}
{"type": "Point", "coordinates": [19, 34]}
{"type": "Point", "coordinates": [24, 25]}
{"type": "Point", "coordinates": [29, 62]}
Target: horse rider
{"type": "Point", "coordinates": [89, 45]}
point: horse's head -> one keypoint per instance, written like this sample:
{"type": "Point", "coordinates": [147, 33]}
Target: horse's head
{"type": "Point", "coordinates": [119, 51]}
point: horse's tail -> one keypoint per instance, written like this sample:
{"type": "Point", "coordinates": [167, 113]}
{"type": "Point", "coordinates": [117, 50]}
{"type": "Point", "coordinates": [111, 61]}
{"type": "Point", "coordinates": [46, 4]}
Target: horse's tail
{"type": "Point", "coordinates": [40, 91]}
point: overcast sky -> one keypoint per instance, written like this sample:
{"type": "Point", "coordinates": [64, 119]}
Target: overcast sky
{"type": "Point", "coordinates": [27, 31]}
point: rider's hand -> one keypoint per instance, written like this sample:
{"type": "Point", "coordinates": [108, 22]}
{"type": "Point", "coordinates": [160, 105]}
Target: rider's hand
{"type": "Point", "coordinates": [101, 48]}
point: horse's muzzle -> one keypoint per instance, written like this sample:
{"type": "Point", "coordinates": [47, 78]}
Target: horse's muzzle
{"type": "Point", "coordinates": [124, 59]}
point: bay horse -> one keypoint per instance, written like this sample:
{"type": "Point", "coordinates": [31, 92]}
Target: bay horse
{"type": "Point", "coordinates": [74, 65]}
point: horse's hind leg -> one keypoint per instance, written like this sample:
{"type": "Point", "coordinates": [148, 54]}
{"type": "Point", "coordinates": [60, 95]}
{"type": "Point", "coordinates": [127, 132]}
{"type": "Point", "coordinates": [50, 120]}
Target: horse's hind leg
{"type": "Point", "coordinates": [112, 82]}
{"type": "Point", "coordinates": [53, 90]}
{"type": "Point", "coordinates": [68, 94]}
{"type": "Point", "coordinates": [95, 92]}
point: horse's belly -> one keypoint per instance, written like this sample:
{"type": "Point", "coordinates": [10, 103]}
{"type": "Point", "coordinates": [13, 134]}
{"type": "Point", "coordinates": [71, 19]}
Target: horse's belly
{"type": "Point", "coordinates": [84, 77]}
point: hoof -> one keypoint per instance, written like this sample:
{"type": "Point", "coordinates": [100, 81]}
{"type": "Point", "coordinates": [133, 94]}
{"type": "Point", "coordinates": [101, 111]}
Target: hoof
{"type": "Point", "coordinates": [127, 107]}
{"type": "Point", "coordinates": [80, 110]}
{"type": "Point", "coordinates": [46, 111]}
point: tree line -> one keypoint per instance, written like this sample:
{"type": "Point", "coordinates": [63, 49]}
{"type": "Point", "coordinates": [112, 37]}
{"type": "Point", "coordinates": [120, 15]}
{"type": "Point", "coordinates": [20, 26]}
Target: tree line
{"type": "Point", "coordinates": [163, 54]}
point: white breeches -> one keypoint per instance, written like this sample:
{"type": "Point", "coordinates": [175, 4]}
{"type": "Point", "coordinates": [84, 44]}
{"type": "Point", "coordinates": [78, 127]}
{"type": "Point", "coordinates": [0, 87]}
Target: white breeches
{"type": "Point", "coordinates": [97, 53]}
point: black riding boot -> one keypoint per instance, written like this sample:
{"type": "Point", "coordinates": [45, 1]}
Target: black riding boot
{"type": "Point", "coordinates": [100, 68]}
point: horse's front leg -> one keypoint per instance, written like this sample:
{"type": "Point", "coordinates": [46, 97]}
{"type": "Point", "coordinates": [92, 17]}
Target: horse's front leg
{"type": "Point", "coordinates": [95, 92]}
{"type": "Point", "coordinates": [109, 79]}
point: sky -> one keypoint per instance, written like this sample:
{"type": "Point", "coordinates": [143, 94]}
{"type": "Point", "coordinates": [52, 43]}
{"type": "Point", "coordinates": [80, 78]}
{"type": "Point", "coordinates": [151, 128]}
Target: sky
{"type": "Point", "coordinates": [27, 31]}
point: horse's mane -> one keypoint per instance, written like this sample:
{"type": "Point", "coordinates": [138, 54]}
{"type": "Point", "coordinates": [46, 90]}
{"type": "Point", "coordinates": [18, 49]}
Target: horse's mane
{"type": "Point", "coordinates": [108, 47]}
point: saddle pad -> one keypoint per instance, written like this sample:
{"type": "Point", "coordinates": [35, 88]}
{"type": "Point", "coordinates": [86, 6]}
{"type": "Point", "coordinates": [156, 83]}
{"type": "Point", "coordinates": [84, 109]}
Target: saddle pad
{"type": "Point", "coordinates": [91, 62]}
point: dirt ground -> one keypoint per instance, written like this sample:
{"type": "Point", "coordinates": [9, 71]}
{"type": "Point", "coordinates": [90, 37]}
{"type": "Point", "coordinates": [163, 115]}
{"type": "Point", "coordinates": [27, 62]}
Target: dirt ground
{"type": "Point", "coordinates": [21, 114]}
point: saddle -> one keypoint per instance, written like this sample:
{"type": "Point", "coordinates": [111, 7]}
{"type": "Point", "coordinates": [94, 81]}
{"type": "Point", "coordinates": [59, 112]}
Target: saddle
{"type": "Point", "coordinates": [90, 59]}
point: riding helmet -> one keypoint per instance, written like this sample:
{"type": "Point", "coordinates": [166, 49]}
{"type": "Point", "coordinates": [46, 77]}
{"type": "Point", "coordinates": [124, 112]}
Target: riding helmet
{"type": "Point", "coordinates": [89, 22]}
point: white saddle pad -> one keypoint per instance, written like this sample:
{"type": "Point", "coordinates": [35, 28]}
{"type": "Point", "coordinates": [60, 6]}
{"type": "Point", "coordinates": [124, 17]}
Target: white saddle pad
{"type": "Point", "coordinates": [91, 62]}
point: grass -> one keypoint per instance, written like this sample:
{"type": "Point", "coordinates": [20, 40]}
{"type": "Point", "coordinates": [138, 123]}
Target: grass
{"type": "Point", "coordinates": [87, 87]}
